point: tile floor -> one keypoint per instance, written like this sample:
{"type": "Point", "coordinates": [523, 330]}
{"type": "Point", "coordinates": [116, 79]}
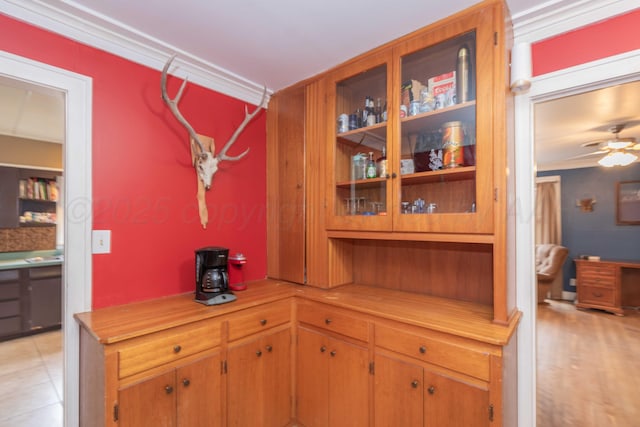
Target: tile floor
{"type": "Point", "coordinates": [31, 381]}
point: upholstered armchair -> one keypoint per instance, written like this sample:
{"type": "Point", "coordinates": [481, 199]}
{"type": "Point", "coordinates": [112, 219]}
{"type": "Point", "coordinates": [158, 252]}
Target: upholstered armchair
{"type": "Point", "coordinates": [549, 261]}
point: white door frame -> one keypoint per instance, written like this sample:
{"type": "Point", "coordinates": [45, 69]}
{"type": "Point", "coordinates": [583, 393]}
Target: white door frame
{"type": "Point", "coordinates": [610, 71]}
{"type": "Point", "coordinates": [77, 205]}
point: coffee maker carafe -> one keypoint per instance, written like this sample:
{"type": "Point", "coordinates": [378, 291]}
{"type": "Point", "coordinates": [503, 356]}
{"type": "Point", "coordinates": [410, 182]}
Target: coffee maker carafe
{"type": "Point", "coordinates": [212, 279]}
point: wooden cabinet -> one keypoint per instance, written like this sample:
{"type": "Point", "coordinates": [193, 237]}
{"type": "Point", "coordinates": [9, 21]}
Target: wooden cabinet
{"type": "Point", "coordinates": [607, 285]}
{"type": "Point", "coordinates": [407, 229]}
{"type": "Point", "coordinates": [259, 381]}
{"type": "Point", "coordinates": [258, 366]}
{"type": "Point", "coordinates": [412, 388]}
{"type": "Point", "coordinates": [333, 381]}
{"type": "Point", "coordinates": [333, 368]}
{"type": "Point", "coordinates": [188, 395]}
{"type": "Point", "coordinates": [439, 149]}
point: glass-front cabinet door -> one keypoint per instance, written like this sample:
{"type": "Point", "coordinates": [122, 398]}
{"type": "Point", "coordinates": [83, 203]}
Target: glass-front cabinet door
{"type": "Point", "coordinates": [359, 181]}
{"type": "Point", "coordinates": [411, 148]}
{"type": "Point", "coordinates": [444, 133]}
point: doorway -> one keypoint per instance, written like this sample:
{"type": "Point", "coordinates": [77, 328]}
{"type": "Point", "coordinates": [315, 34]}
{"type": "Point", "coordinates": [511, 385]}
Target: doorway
{"type": "Point", "coordinates": [77, 218]}
{"type": "Point", "coordinates": [596, 75]}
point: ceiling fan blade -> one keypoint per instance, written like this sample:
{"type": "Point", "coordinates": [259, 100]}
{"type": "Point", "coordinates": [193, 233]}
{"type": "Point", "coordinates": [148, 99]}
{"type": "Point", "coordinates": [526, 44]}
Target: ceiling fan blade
{"type": "Point", "coordinates": [593, 153]}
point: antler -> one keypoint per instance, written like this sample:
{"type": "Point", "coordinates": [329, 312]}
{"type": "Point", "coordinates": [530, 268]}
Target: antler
{"type": "Point", "coordinates": [173, 104]}
{"type": "Point", "coordinates": [222, 155]}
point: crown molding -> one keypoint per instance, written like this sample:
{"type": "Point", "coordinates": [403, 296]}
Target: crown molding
{"type": "Point", "coordinates": [560, 16]}
{"type": "Point", "coordinates": [91, 28]}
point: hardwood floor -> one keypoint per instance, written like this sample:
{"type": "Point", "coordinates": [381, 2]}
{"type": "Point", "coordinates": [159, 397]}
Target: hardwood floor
{"type": "Point", "coordinates": [588, 368]}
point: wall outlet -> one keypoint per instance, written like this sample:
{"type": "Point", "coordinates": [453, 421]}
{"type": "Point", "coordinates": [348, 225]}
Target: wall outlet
{"type": "Point", "coordinates": [572, 283]}
{"type": "Point", "coordinates": [101, 242]}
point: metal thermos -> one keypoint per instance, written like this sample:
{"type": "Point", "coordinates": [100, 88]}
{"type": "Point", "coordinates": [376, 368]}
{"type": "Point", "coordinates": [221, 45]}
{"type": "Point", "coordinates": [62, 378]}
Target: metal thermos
{"type": "Point", "coordinates": [462, 75]}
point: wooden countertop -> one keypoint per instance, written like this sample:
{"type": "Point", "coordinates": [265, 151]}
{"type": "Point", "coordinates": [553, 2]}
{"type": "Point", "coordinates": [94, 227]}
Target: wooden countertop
{"type": "Point", "coordinates": [465, 319]}
{"type": "Point", "coordinates": [617, 262]}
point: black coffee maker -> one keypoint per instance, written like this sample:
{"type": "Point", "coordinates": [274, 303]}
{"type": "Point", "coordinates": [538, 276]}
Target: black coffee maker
{"type": "Point", "coordinates": [212, 280]}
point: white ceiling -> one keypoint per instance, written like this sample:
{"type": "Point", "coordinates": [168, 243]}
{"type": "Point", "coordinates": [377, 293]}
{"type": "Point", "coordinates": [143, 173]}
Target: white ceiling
{"type": "Point", "coordinates": [253, 43]}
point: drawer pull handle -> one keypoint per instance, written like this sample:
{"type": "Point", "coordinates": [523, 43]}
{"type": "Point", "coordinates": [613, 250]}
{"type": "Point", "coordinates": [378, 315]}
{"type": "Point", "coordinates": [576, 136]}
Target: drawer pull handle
{"type": "Point", "coordinates": [269, 348]}
{"type": "Point", "coordinates": [333, 353]}
{"type": "Point", "coordinates": [323, 349]}
{"type": "Point", "coordinates": [597, 294]}
{"type": "Point", "coordinates": [263, 322]}
{"type": "Point", "coordinates": [177, 348]}
{"type": "Point", "coordinates": [168, 389]}
{"type": "Point", "coordinates": [327, 321]}
{"type": "Point", "coordinates": [186, 382]}
{"type": "Point", "coordinates": [414, 383]}
{"type": "Point", "coordinates": [423, 349]}
{"type": "Point", "coordinates": [431, 390]}
{"type": "Point", "coordinates": [258, 353]}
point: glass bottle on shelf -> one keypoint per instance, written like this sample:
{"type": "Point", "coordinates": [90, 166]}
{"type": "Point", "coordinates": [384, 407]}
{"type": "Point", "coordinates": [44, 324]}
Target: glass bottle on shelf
{"type": "Point", "coordinates": [371, 167]}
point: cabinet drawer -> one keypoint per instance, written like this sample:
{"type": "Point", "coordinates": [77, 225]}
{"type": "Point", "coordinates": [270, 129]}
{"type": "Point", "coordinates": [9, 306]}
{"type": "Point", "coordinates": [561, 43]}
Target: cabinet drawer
{"type": "Point", "coordinates": [10, 325]}
{"type": "Point", "coordinates": [597, 275]}
{"type": "Point", "coordinates": [439, 352]}
{"type": "Point", "coordinates": [156, 349]}
{"type": "Point", "coordinates": [6, 275]}
{"type": "Point", "coordinates": [258, 319]}
{"type": "Point", "coordinates": [596, 295]}
{"type": "Point", "coordinates": [9, 308]}
{"type": "Point", "coordinates": [334, 319]}
{"type": "Point", "coordinates": [10, 291]}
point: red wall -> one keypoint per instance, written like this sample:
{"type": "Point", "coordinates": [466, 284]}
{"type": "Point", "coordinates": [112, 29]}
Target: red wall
{"type": "Point", "coordinates": [143, 184]}
{"type": "Point", "coordinates": [600, 40]}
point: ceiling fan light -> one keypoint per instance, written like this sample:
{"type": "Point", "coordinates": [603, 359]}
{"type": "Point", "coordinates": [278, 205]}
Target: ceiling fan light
{"type": "Point", "coordinates": [617, 158]}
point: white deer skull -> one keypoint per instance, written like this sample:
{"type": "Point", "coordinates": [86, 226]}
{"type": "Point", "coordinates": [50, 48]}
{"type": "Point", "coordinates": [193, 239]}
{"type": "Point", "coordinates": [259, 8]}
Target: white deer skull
{"type": "Point", "coordinates": [204, 160]}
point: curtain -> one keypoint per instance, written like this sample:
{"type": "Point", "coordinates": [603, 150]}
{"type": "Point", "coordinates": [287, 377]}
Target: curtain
{"type": "Point", "coordinates": [548, 220]}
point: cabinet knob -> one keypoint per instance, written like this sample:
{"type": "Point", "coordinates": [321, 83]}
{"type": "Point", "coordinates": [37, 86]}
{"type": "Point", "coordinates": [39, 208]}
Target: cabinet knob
{"type": "Point", "coordinates": [258, 353]}
{"type": "Point", "coordinates": [177, 348]}
{"type": "Point", "coordinates": [387, 176]}
{"type": "Point", "coordinates": [186, 382]}
{"type": "Point", "coordinates": [431, 389]}
{"type": "Point", "coordinates": [415, 383]}
{"type": "Point", "coordinates": [333, 353]}
{"type": "Point", "coordinates": [323, 349]}
{"type": "Point", "coordinates": [263, 322]}
{"type": "Point", "coordinates": [327, 321]}
{"type": "Point", "coordinates": [394, 175]}
{"type": "Point", "coordinates": [168, 389]}
{"type": "Point", "coordinates": [269, 348]}
{"type": "Point", "coordinates": [423, 349]}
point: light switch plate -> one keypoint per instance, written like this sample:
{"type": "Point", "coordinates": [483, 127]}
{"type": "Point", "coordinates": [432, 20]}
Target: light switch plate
{"type": "Point", "coordinates": [101, 242]}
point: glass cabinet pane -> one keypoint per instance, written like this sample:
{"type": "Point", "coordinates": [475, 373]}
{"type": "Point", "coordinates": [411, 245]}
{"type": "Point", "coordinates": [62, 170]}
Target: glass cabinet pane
{"type": "Point", "coordinates": [438, 128]}
{"type": "Point", "coordinates": [361, 144]}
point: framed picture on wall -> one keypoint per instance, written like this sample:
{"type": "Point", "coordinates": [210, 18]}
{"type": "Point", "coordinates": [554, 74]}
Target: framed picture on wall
{"type": "Point", "coordinates": [628, 203]}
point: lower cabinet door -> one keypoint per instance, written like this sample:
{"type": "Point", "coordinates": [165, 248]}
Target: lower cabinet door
{"type": "Point", "coordinates": [348, 384]}
{"type": "Point", "coordinates": [453, 403]}
{"type": "Point", "coordinates": [149, 403]}
{"type": "Point", "coordinates": [259, 381]}
{"type": "Point", "coordinates": [312, 379]}
{"type": "Point", "coordinates": [399, 393]}
{"type": "Point", "coordinates": [198, 393]}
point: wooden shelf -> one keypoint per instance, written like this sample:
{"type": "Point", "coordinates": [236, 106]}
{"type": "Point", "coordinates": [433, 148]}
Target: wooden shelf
{"type": "Point", "coordinates": [362, 183]}
{"type": "Point", "coordinates": [465, 112]}
{"type": "Point", "coordinates": [444, 175]}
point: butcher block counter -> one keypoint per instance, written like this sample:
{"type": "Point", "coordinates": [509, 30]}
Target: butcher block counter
{"type": "Point", "coordinates": [148, 362]}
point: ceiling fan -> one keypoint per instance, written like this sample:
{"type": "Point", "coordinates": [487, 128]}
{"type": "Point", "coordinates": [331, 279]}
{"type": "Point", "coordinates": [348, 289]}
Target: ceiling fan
{"type": "Point", "coordinates": [617, 151]}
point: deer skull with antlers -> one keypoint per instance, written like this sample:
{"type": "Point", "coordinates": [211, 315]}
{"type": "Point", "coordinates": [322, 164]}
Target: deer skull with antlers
{"type": "Point", "coordinates": [204, 160]}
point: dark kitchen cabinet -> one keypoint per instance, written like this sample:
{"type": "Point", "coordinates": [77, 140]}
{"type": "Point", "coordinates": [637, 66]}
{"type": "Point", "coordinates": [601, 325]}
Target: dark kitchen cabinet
{"type": "Point", "coordinates": [28, 197]}
{"type": "Point", "coordinates": [45, 297]}
{"type": "Point", "coordinates": [8, 197]}
{"type": "Point", "coordinates": [30, 300]}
